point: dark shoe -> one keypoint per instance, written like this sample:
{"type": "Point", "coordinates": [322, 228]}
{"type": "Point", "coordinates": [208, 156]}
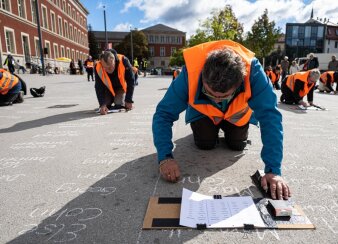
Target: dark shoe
{"type": "Point", "coordinates": [19, 98]}
{"type": "Point", "coordinates": [237, 146]}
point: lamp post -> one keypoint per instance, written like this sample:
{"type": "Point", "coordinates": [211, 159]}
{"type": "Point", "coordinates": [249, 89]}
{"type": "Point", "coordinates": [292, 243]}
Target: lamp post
{"type": "Point", "coordinates": [131, 46]}
{"type": "Point", "coordinates": [40, 37]}
{"type": "Point", "coordinates": [105, 26]}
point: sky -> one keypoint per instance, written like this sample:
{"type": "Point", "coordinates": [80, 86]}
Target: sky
{"type": "Point", "coordinates": [186, 15]}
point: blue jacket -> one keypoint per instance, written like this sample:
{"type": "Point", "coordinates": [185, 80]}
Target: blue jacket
{"type": "Point", "coordinates": [263, 102]}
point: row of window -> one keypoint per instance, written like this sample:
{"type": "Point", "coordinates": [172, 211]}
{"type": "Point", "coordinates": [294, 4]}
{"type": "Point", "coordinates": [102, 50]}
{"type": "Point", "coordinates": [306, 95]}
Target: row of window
{"type": "Point", "coordinates": [6, 5]}
{"type": "Point", "coordinates": [301, 31]}
{"type": "Point", "coordinates": [306, 42]}
{"type": "Point", "coordinates": [165, 39]}
{"type": "Point", "coordinates": [162, 51]}
{"type": "Point", "coordinates": [64, 51]}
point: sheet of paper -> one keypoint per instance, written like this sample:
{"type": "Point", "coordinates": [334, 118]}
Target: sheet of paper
{"type": "Point", "coordinates": [228, 212]}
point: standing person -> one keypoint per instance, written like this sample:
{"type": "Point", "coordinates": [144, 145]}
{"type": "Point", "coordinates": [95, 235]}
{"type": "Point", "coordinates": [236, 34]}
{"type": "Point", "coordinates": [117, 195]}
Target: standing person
{"type": "Point", "coordinates": [219, 85]}
{"type": "Point", "coordinates": [285, 67]}
{"type": "Point", "coordinates": [326, 81]}
{"type": "Point", "coordinates": [80, 64]}
{"type": "Point", "coordinates": [11, 88]}
{"type": "Point", "coordinates": [312, 63]}
{"type": "Point", "coordinates": [72, 67]}
{"type": "Point", "coordinates": [296, 86]}
{"type": "Point", "coordinates": [135, 70]}
{"type": "Point", "coordinates": [294, 68]}
{"type": "Point", "coordinates": [10, 62]}
{"type": "Point", "coordinates": [333, 64]}
{"type": "Point", "coordinates": [89, 65]}
{"type": "Point", "coordinates": [114, 82]}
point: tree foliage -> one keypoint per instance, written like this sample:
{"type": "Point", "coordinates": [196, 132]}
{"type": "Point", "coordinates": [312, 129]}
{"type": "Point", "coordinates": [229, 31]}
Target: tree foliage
{"type": "Point", "coordinates": [177, 58]}
{"type": "Point", "coordinates": [140, 45]}
{"type": "Point", "coordinates": [220, 26]}
{"type": "Point", "coordinates": [93, 44]}
{"type": "Point", "coordinates": [263, 36]}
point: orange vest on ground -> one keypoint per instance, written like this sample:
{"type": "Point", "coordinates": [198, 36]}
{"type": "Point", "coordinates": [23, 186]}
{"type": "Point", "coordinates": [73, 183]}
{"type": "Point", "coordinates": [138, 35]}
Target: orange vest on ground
{"type": "Point", "coordinates": [238, 112]}
{"type": "Point", "coordinates": [90, 64]}
{"type": "Point", "coordinates": [323, 77]}
{"type": "Point", "coordinates": [7, 82]}
{"type": "Point", "coordinates": [303, 77]}
{"type": "Point", "coordinates": [120, 73]}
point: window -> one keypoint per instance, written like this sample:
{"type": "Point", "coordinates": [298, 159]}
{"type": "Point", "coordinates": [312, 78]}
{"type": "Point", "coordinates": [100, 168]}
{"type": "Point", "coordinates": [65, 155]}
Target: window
{"type": "Point", "coordinates": [66, 29]}
{"type": "Point", "coordinates": [44, 17]}
{"type": "Point", "coordinates": [336, 32]}
{"type": "Point", "coordinates": [295, 31]}
{"type": "Point", "coordinates": [336, 45]}
{"type": "Point", "coordinates": [173, 39]}
{"type": "Point", "coordinates": [307, 31]}
{"type": "Point", "coordinates": [47, 45]}
{"type": "Point", "coordinates": [151, 39]}
{"type": "Point", "coordinates": [71, 31]}
{"type": "Point", "coordinates": [73, 54]}
{"type": "Point", "coordinates": [162, 39]}
{"type": "Point", "coordinates": [62, 51]}
{"type": "Point", "coordinates": [10, 42]}
{"type": "Point", "coordinates": [64, 6]}
{"type": "Point", "coordinates": [75, 34]}
{"type": "Point", "coordinates": [156, 39]}
{"type": "Point", "coordinates": [69, 10]}
{"type": "Point", "coordinates": [167, 39]}
{"type": "Point", "coordinates": [56, 50]}
{"type": "Point", "coordinates": [162, 63]}
{"type": "Point", "coordinates": [178, 40]}
{"type": "Point", "coordinates": [313, 31]}
{"type": "Point", "coordinates": [162, 51]}
{"type": "Point", "coordinates": [37, 46]}
{"type": "Point", "coordinates": [5, 5]}
{"type": "Point", "coordinates": [173, 50]}
{"type": "Point", "coordinates": [68, 52]}
{"type": "Point", "coordinates": [60, 26]}
{"type": "Point", "coordinates": [52, 21]}
{"type": "Point", "coordinates": [151, 51]}
{"type": "Point", "coordinates": [22, 9]}
{"type": "Point", "coordinates": [33, 11]}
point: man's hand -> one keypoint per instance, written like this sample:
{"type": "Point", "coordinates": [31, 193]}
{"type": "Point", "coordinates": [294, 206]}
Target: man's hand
{"type": "Point", "coordinates": [170, 170]}
{"type": "Point", "coordinates": [278, 187]}
{"type": "Point", "coordinates": [103, 110]}
{"type": "Point", "coordinates": [128, 106]}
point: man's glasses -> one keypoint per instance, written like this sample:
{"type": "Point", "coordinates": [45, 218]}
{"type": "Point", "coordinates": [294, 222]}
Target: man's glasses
{"type": "Point", "coordinates": [205, 92]}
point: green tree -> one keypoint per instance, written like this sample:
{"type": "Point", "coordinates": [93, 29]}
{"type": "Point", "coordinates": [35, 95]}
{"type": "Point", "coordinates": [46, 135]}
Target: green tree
{"type": "Point", "coordinates": [263, 36]}
{"type": "Point", "coordinates": [220, 26]}
{"type": "Point", "coordinates": [140, 45]}
{"type": "Point", "coordinates": [177, 58]}
{"type": "Point", "coordinates": [93, 45]}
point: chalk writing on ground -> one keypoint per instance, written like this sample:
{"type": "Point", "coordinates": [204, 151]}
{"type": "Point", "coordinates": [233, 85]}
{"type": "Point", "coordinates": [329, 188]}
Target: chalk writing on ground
{"type": "Point", "coordinates": [39, 145]}
{"type": "Point", "coordinates": [73, 188]}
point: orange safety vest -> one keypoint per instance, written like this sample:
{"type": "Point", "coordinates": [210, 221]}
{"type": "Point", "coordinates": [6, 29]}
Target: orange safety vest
{"type": "Point", "coordinates": [238, 112]}
{"type": "Point", "coordinates": [90, 64]}
{"type": "Point", "coordinates": [120, 73]}
{"type": "Point", "coordinates": [303, 77]}
{"type": "Point", "coordinates": [7, 82]}
{"type": "Point", "coordinates": [323, 77]}
{"type": "Point", "coordinates": [274, 77]}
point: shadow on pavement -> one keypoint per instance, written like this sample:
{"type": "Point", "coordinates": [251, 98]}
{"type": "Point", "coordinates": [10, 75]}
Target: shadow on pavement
{"type": "Point", "coordinates": [291, 108]}
{"type": "Point", "coordinates": [112, 209]}
{"type": "Point", "coordinates": [54, 119]}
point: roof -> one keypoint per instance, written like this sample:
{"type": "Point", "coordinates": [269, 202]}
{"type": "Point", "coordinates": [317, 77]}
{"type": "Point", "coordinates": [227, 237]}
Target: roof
{"type": "Point", "coordinates": [162, 28]}
{"type": "Point", "coordinates": [111, 34]}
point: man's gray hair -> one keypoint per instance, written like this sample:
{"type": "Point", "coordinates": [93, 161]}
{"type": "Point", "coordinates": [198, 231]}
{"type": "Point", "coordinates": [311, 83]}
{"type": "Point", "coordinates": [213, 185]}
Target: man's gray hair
{"type": "Point", "coordinates": [107, 55]}
{"type": "Point", "coordinates": [315, 73]}
{"type": "Point", "coordinates": [223, 70]}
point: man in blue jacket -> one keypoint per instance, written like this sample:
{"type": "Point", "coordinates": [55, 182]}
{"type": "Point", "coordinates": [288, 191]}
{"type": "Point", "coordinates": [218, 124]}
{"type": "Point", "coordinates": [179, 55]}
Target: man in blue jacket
{"type": "Point", "coordinates": [219, 87]}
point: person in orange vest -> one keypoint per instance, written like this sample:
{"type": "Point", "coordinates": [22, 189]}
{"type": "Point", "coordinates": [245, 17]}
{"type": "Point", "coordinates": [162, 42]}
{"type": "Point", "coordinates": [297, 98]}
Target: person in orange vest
{"type": "Point", "coordinates": [326, 80]}
{"type": "Point", "coordinates": [11, 88]}
{"type": "Point", "coordinates": [89, 65]}
{"type": "Point", "coordinates": [299, 85]}
{"type": "Point", "coordinates": [114, 82]}
{"type": "Point", "coordinates": [274, 76]}
{"type": "Point", "coordinates": [219, 87]}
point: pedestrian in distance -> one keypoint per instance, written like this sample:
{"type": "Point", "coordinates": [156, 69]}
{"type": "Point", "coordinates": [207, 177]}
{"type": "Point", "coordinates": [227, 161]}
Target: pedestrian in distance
{"type": "Point", "coordinates": [114, 82]}
{"type": "Point", "coordinates": [296, 86]}
{"type": "Point", "coordinates": [333, 64]}
{"type": "Point", "coordinates": [219, 87]}
{"type": "Point", "coordinates": [20, 67]}
{"type": "Point", "coordinates": [284, 64]}
{"type": "Point", "coordinates": [72, 67]}
{"type": "Point", "coordinates": [89, 65]}
{"type": "Point", "coordinates": [294, 68]}
{"type": "Point", "coordinates": [10, 63]}
{"type": "Point", "coordinates": [80, 64]}
{"type": "Point", "coordinates": [312, 62]}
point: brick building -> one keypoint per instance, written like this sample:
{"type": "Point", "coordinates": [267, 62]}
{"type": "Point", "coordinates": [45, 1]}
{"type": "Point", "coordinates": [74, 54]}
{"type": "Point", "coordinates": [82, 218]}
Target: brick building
{"type": "Point", "coordinates": [163, 41]}
{"type": "Point", "coordinates": [63, 28]}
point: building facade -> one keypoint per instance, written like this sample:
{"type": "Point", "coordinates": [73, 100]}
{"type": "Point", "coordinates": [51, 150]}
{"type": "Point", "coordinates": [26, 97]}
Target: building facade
{"type": "Point", "coordinates": [313, 36]}
{"type": "Point", "coordinates": [63, 30]}
{"type": "Point", "coordinates": [163, 41]}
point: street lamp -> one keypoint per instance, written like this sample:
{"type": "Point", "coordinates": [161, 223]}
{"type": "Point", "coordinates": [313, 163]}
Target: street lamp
{"type": "Point", "coordinates": [105, 26]}
{"type": "Point", "coordinates": [131, 46]}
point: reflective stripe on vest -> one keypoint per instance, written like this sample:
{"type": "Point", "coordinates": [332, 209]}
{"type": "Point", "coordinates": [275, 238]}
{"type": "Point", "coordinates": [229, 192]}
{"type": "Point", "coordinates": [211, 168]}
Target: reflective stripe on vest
{"type": "Point", "coordinates": [323, 77]}
{"type": "Point", "coordinates": [303, 77]}
{"type": "Point", "coordinates": [105, 78]}
{"type": "Point", "coordinates": [7, 82]}
{"type": "Point", "coordinates": [238, 112]}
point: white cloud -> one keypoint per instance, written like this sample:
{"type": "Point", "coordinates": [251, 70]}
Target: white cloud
{"type": "Point", "coordinates": [186, 14]}
{"type": "Point", "coordinates": [122, 27]}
